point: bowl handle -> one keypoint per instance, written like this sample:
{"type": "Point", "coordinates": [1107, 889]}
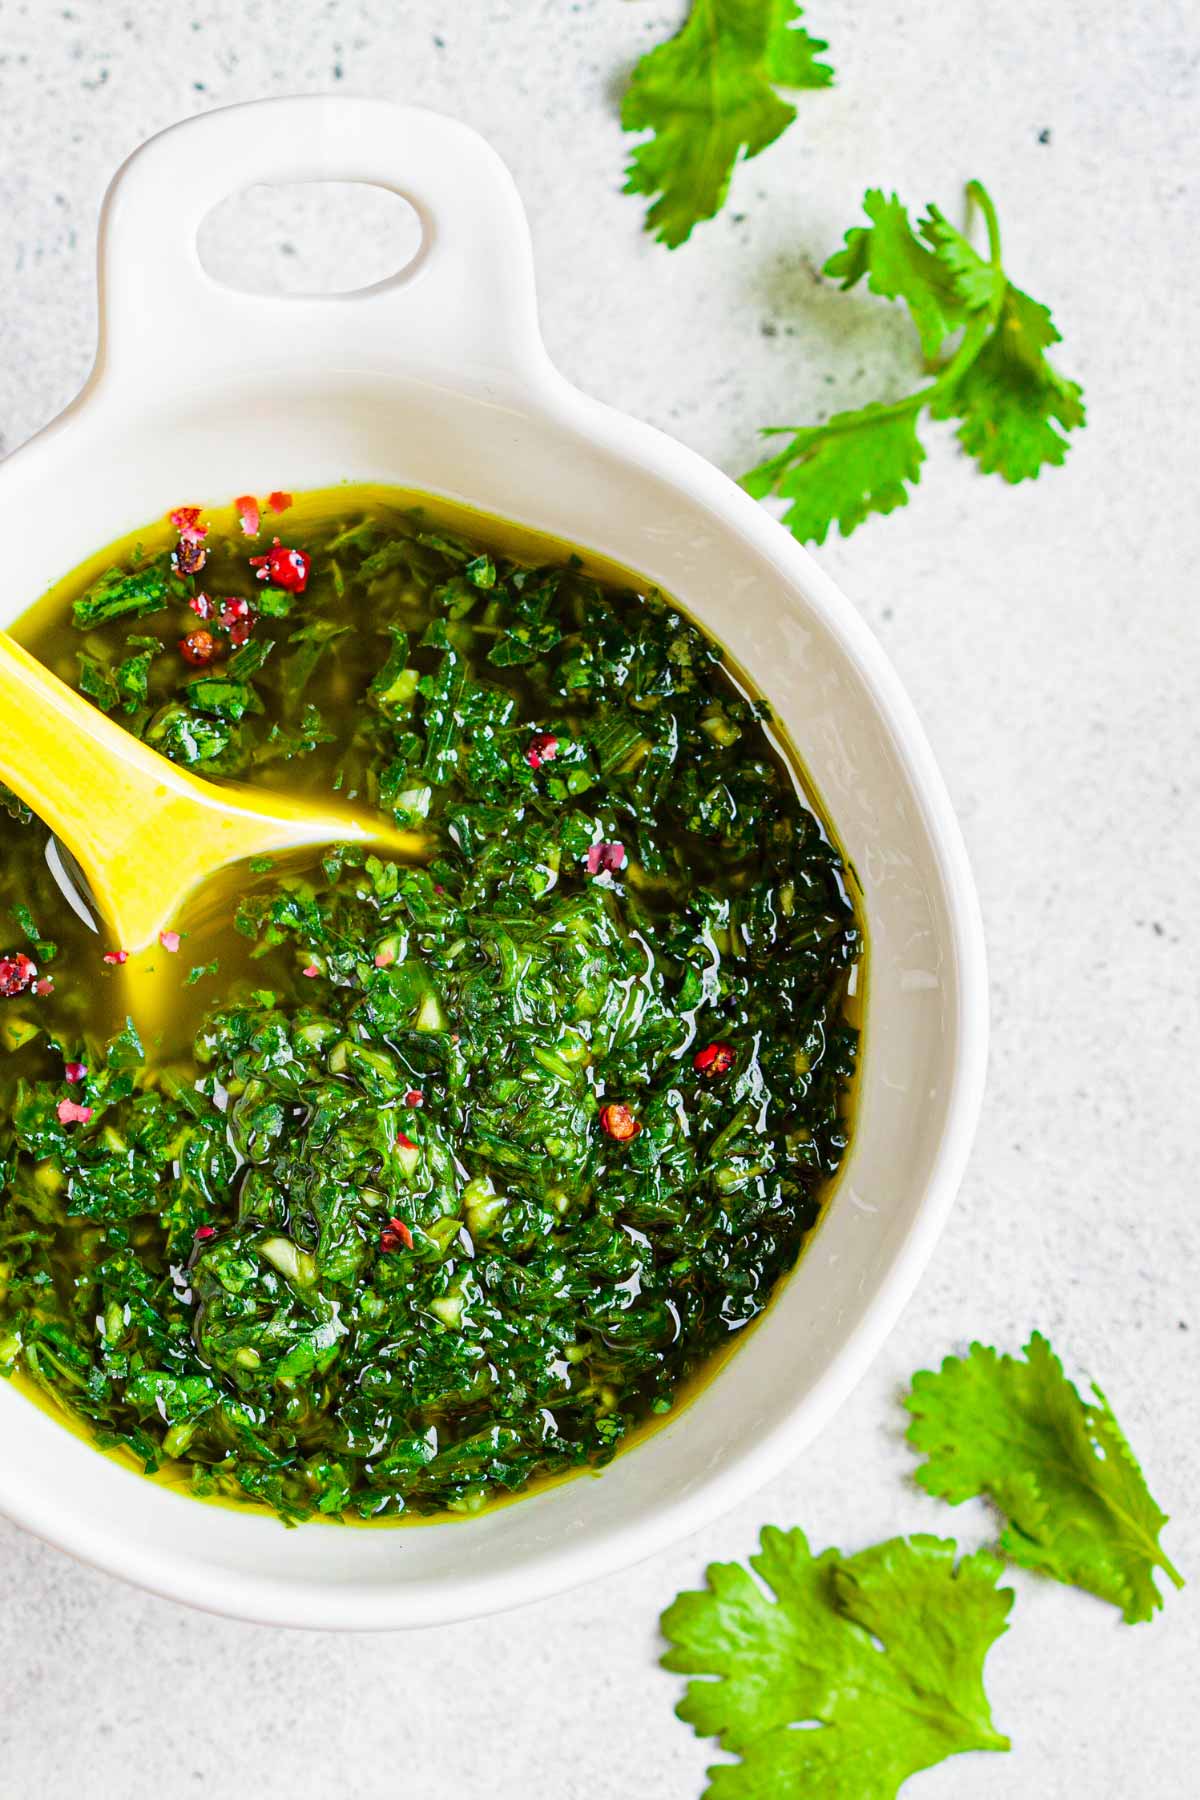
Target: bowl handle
{"type": "Point", "coordinates": [465, 304]}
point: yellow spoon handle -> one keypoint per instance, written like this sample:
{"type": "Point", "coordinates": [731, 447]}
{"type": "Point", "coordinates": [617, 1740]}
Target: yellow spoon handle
{"type": "Point", "coordinates": [86, 777]}
{"type": "Point", "coordinates": [146, 833]}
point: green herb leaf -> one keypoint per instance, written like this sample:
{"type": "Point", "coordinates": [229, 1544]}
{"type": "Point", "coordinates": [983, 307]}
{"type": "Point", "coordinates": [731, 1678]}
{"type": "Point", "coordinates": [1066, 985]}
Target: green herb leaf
{"type": "Point", "coordinates": [132, 674]}
{"type": "Point", "coordinates": [96, 681]}
{"type": "Point", "coordinates": [394, 688]}
{"type": "Point", "coordinates": [839, 1677]}
{"type": "Point", "coordinates": [1057, 1465]}
{"type": "Point", "coordinates": [898, 265]}
{"type": "Point", "coordinates": [250, 658]}
{"type": "Point", "coordinates": [708, 96]}
{"type": "Point", "coordinates": [839, 473]}
{"type": "Point", "coordinates": [222, 696]}
{"type": "Point", "coordinates": [45, 949]}
{"type": "Point", "coordinates": [978, 284]}
{"type": "Point", "coordinates": [121, 594]}
{"type": "Point", "coordinates": [1014, 407]}
{"type": "Point", "coordinates": [311, 642]}
{"type": "Point", "coordinates": [1010, 399]}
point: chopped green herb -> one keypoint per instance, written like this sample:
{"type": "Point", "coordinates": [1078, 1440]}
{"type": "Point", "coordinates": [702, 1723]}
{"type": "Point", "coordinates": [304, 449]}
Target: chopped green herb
{"type": "Point", "coordinates": [222, 696]}
{"type": "Point", "coordinates": [430, 1200]}
{"type": "Point", "coordinates": [45, 949]}
{"type": "Point", "coordinates": [132, 674]}
{"type": "Point", "coordinates": [97, 682]}
{"type": "Point", "coordinates": [129, 593]}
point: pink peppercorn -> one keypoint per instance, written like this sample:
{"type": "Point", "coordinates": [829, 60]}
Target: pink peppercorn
{"type": "Point", "coordinates": [603, 858]}
{"type": "Point", "coordinates": [543, 748]}
{"type": "Point", "coordinates": [17, 973]}
{"type": "Point", "coordinates": [283, 568]}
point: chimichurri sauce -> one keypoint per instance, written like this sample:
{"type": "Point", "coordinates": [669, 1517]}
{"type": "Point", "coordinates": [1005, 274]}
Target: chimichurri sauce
{"type": "Point", "coordinates": [463, 1170]}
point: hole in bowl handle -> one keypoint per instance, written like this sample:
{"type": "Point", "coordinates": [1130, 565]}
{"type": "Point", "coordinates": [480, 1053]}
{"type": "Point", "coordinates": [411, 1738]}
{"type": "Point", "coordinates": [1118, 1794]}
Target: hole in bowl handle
{"type": "Point", "coordinates": [465, 303]}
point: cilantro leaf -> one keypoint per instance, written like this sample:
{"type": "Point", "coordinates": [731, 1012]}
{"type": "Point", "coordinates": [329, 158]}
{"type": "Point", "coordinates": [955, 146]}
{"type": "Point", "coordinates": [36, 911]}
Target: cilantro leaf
{"type": "Point", "coordinates": [977, 283]}
{"type": "Point", "coordinates": [1056, 1464]}
{"type": "Point", "coordinates": [857, 464]}
{"type": "Point", "coordinates": [96, 681]}
{"type": "Point", "coordinates": [1012, 405]}
{"type": "Point", "coordinates": [45, 949]}
{"type": "Point", "coordinates": [839, 1676]}
{"type": "Point", "coordinates": [1010, 399]}
{"type": "Point", "coordinates": [708, 97]}
{"type": "Point", "coordinates": [897, 265]}
{"type": "Point", "coordinates": [223, 696]}
{"type": "Point", "coordinates": [122, 593]}
{"type": "Point", "coordinates": [132, 674]}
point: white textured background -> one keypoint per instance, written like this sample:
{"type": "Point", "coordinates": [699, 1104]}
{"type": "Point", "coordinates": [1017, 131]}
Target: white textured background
{"type": "Point", "coordinates": [1050, 636]}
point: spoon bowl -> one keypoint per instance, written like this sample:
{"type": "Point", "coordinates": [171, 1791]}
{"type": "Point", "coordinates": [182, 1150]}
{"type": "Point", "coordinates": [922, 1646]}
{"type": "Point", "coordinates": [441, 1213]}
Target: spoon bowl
{"type": "Point", "coordinates": [146, 835]}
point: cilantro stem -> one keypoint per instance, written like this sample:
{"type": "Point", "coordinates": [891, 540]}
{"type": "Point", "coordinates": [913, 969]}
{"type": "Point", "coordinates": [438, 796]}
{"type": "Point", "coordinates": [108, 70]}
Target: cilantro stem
{"type": "Point", "coordinates": [983, 200]}
{"type": "Point", "coordinates": [974, 336]}
{"type": "Point", "coordinates": [962, 359]}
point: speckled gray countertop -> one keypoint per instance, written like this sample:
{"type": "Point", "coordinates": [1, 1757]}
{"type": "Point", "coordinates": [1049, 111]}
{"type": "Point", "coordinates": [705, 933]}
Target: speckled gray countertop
{"type": "Point", "coordinates": [1050, 637]}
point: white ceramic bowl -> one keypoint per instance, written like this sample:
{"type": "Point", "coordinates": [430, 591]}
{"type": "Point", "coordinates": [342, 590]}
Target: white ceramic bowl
{"type": "Point", "coordinates": [437, 379]}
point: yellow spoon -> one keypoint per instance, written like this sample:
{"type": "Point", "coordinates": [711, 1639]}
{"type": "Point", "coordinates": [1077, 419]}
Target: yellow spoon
{"type": "Point", "coordinates": [146, 834]}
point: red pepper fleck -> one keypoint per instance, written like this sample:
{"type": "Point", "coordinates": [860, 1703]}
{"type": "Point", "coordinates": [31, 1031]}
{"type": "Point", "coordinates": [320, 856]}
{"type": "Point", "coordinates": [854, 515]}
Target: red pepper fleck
{"type": "Point", "coordinates": [404, 1143]}
{"type": "Point", "coordinates": [18, 972]}
{"type": "Point", "coordinates": [71, 1113]}
{"type": "Point", "coordinates": [414, 1097]}
{"type": "Point", "coordinates": [543, 748]}
{"type": "Point", "coordinates": [602, 857]}
{"type": "Point", "coordinates": [205, 1231]}
{"type": "Point", "coordinates": [283, 567]}
{"type": "Point", "coordinates": [202, 606]}
{"type": "Point", "coordinates": [198, 648]}
{"type": "Point", "coordinates": [279, 501]}
{"type": "Point", "coordinates": [44, 986]}
{"type": "Point", "coordinates": [312, 971]}
{"type": "Point", "coordinates": [246, 508]}
{"type": "Point", "coordinates": [385, 958]}
{"type": "Point", "coordinates": [169, 941]}
{"type": "Point", "coordinates": [75, 1073]}
{"type": "Point", "coordinates": [617, 1120]}
{"type": "Point", "coordinates": [715, 1059]}
{"type": "Point", "coordinates": [116, 956]}
{"type": "Point", "coordinates": [186, 520]}
{"type": "Point", "coordinates": [395, 1236]}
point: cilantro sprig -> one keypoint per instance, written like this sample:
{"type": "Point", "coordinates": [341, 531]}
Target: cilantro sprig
{"type": "Point", "coordinates": [1013, 407]}
{"type": "Point", "coordinates": [708, 96]}
{"type": "Point", "coordinates": [1056, 1464]}
{"type": "Point", "coordinates": [838, 1676]}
